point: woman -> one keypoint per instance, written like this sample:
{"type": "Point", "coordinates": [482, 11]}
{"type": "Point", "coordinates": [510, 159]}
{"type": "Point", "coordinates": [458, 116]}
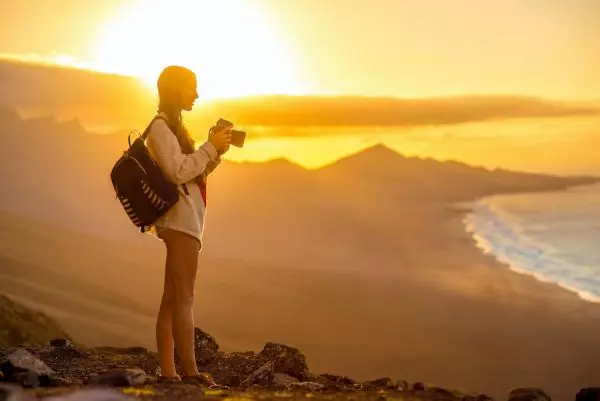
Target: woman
{"type": "Point", "coordinates": [181, 228]}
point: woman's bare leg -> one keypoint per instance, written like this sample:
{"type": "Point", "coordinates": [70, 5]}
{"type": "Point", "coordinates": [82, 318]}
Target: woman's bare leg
{"type": "Point", "coordinates": [164, 328]}
{"type": "Point", "coordinates": [182, 266]}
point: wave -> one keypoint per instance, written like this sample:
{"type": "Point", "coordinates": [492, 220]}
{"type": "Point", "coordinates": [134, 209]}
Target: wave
{"type": "Point", "coordinates": [504, 236]}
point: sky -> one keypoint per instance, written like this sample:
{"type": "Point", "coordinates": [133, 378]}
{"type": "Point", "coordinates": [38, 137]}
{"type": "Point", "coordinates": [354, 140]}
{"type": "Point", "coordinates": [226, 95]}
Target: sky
{"type": "Point", "coordinates": [399, 48]}
{"type": "Point", "coordinates": [371, 48]}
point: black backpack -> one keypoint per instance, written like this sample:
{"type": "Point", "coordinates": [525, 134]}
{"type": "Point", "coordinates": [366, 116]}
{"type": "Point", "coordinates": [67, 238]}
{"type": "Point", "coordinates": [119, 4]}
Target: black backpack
{"type": "Point", "coordinates": [144, 191]}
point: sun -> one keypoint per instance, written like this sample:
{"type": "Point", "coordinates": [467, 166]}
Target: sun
{"type": "Point", "coordinates": [228, 43]}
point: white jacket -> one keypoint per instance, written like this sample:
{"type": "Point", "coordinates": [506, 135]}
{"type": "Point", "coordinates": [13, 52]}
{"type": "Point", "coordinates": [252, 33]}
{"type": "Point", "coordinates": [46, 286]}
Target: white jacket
{"type": "Point", "coordinates": [187, 215]}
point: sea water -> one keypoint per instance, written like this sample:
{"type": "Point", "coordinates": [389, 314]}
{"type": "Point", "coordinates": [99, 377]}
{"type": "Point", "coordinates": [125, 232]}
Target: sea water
{"type": "Point", "coordinates": [553, 236]}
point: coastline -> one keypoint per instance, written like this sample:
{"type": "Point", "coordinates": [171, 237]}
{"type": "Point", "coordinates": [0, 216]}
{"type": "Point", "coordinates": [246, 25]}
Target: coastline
{"type": "Point", "coordinates": [483, 244]}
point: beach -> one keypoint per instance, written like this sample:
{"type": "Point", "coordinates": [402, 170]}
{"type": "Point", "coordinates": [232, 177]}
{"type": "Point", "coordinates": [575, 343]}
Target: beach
{"type": "Point", "coordinates": [430, 306]}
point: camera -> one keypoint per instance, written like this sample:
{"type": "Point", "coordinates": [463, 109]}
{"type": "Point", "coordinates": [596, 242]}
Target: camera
{"type": "Point", "coordinates": [237, 137]}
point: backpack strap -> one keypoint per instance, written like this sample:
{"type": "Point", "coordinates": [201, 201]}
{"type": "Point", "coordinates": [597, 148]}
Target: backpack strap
{"type": "Point", "coordinates": [147, 131]}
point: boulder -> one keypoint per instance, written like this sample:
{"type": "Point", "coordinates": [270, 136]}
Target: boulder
{"type": "Point", "coordinates": [205, 346]}
{"type": "Point", "coordinates": [119, 378]}
{"type": "Point", "coordinates": [382, 383]}
{"type": "Point", "coordinates": [26, 379]}
{"type": "Point", "coordinates": [588, 394]}
{"type": "Point", "coordinates": [282, 380]}
{"type": "Point", "coordinates": [401, 385]}
{"type": "Point", "coordinates": [24, 368]}
{"type": "Point", "coordinates": [344, 380]}
{"type": "Point", "coordinates": [13, 392]}
{"type": "Point", "coordinates": [261, 376]}
{"type": "Point", "coordinates": [528, 394]}
{"type": "Point", "coordinates": [286, 360]}
{"type": "Point", "coordinates": [442, 392]}
{"type": "Point", "coordinates": [60, 343]}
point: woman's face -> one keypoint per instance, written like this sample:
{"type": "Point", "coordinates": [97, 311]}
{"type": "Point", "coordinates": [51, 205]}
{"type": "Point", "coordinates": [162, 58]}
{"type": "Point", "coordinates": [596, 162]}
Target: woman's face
{"type": "Point", "coordinates": [189, 94]}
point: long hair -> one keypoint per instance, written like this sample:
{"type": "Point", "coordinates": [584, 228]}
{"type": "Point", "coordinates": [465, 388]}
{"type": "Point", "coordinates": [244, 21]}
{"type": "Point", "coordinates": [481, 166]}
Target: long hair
{"type": "Point", "coordinates": [170, 83]}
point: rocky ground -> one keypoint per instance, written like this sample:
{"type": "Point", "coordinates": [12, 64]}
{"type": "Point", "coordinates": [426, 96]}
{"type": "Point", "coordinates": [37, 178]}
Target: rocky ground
{"type": "Point", "coordinates": [61, 371]}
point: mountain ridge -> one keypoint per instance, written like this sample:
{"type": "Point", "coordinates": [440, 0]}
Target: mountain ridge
{"type": "Point", "coordinates": [73, 129]}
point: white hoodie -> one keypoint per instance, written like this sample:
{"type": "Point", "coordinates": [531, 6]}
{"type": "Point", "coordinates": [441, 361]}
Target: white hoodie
{"type": "Point", "coordinates": [187, 215]}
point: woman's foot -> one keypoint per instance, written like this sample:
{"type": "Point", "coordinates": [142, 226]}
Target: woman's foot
{"type": "Point", "coordinates": [204, 379]}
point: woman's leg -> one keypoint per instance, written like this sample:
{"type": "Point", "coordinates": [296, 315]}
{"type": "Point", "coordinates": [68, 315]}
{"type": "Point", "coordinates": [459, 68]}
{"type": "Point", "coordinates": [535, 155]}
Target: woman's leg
{"type": "Point", "coordinates": [181, 266]}
{"type": "Point", "coordinates": [164, 328]}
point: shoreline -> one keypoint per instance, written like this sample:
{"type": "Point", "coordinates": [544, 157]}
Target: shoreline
{"type": "Point", "coordinates": [483, 246]}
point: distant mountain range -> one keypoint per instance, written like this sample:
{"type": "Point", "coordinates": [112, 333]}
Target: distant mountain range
{"type": "Point", "coordinates": [59, 172]}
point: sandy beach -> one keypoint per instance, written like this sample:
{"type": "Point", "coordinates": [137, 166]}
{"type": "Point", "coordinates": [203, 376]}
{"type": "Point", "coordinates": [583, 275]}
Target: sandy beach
{"type": "Point", "coordinates": [435, 310]}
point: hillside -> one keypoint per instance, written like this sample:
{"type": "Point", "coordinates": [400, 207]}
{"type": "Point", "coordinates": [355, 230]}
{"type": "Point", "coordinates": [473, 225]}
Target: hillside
{"type": "Point", "coordinates": [22, 325]}
{"type": "Point", "coordinates": [62, 370]}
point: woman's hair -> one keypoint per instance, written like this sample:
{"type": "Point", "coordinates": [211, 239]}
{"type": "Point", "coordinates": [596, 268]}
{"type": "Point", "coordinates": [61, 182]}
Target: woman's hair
{"type": "Point", "coordinates": [170, 83]}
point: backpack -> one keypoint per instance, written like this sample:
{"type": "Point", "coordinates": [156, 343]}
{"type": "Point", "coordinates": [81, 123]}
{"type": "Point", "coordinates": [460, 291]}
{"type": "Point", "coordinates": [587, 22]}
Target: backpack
{"type": "Point", "coordinates": [142, 188]}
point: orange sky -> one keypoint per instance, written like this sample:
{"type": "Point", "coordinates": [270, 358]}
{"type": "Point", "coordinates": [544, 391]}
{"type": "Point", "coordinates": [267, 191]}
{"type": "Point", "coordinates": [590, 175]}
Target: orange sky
{"type": "Point", "coordinates": [386, 47]}
{"type": "Point", "coordinates": [400, 48]}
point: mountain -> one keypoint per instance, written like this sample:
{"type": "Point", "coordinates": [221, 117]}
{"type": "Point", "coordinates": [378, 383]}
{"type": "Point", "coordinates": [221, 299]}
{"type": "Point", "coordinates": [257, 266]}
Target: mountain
{"type": "Point", "coordinates": [379, 169]}
{"type": "Point", "coordinates": [56, 171]}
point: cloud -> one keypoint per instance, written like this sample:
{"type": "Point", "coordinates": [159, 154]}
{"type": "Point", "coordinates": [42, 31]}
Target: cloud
{"type": "Point", "coordinates": [105, 99]}
{"type": "Point", "coordinates": [366, 111]}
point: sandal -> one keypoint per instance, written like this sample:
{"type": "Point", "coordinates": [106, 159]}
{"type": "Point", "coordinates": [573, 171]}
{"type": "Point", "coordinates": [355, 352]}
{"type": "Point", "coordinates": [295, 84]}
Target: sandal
{"type": "Point", "coordinates": [203, 379]}
{"type": "Point", "coordinates": [169, 379]}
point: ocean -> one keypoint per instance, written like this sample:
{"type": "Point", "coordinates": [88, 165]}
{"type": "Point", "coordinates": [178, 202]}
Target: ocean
{"type": "Point", "coordinates": [553, 236]}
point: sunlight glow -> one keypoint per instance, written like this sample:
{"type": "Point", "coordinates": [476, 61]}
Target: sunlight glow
{"type": "Point", "coordinates": [228, 43]}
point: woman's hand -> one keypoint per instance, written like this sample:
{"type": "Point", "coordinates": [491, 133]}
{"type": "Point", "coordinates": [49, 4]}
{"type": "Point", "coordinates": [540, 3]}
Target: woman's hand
{"type": "Point", "coordinates": [221, 139]}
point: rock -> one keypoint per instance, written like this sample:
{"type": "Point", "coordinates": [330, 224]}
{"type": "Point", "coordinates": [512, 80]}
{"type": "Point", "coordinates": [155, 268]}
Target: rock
{"type": "Point", "coordinates": [338, 379]}
{"type": "Point", "coordinates": [205, 346]}
{"type": "Point", "coordinates": [243, 353]}
{"type": "Point", "coordinates": [119, 378]}
{"type": "Point", "coordinates": [382, 383]}
{"type": "Point", "coordinates": [283, 380]}
{"type": "Point", "coordinates": [444, 393]}
{"type": "Point", "coordinates": [287, 360]}
{"type": "Point", "coordinates": [310, 386]}
{"type": "Point", "coordinates": [419, 386]}
{"type": "Point", "coordinates": [401, 385]}
{"type": "Point", "coordinates": [528, 394]}
{"type": "Point", "coordinates": [12, 392]}
{"type": "Point", "coordinates": [26, 379]}
{"type": "Point", "coordinates": [588, 394]}
{"type": "Point", "coordinates": [57, 381]}
{"type": "Point", "coordinates": [337, 383]}
{"type": "Point", "coordinates": [21, 367]}
{"type": "Point", "coordinates": [136, 351]}
{"type": "Point", "coordinates": [21, 360]}
{"type": "Point", "coordinates": [60, 343]}
{"type": "Point", "coordinates": [262, 375]}
{"type": "Point", "coordinates": [483, 397]}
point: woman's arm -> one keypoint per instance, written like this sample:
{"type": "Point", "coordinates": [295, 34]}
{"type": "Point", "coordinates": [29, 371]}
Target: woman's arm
{"type": "Point", "coordinates": [212, 165]}
{"type": "Point", "coordinates": [176, 165]}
